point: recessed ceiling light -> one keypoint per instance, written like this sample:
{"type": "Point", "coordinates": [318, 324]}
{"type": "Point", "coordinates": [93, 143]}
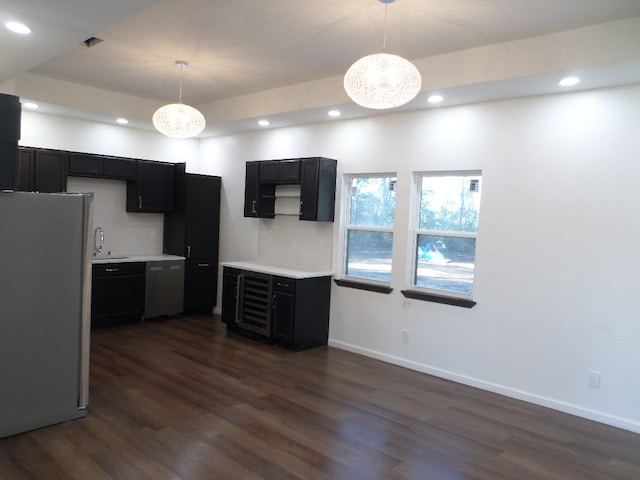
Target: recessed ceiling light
{"type": "Point", "coordinates": [334, 113]}
{"type": "Point", "coordinates": [31, 105]}
{"type": "Point", "coordinates": [435, 99]}
{"type": "Point", "coordinates": [569, 81]}
{"type": "Point", "coordinates": [264, 123]}
{"type": "Point", "coordinates": [122, 121]}
{"type": "Point", "coordinates": [17, 27]}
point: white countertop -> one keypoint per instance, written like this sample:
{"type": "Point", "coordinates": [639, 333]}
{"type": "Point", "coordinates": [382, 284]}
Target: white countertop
{"type": "Point", "coordinates": [275, 270]}
{"type": "Point", "coordinates": [134, 258]}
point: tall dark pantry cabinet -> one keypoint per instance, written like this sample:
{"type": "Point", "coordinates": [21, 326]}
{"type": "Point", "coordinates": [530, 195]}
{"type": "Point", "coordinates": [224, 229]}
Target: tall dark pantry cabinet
{"type": "Point", "coordinates": [192, 231]}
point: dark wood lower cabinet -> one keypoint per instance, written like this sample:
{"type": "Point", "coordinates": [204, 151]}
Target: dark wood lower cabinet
{"type": "Point", "coordinates": [200, 286]}
{"type": "Point", "coordinates": [117, 294]}
{"type": "Point", "coordinates": [291, 312]}
{"type": "Point", "coordinates": [230, 277]}
{"type": "Point", "coordinates": [300, 312]}
{"type": "Point", "coordinates": [283, 309]}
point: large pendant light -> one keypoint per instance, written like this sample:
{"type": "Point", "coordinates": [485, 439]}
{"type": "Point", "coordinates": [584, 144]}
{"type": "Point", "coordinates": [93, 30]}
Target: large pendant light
{"type": "Point", "coordinates": [382, 80]}
{"type": "Point", "coordinates": [178, 120]}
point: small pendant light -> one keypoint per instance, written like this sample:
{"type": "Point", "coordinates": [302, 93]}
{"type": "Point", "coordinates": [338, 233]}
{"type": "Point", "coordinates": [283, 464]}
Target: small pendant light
{"type": "Point", "coordinates": [382, 80]}
{"type": "Point", "coordinates": [178, 120]}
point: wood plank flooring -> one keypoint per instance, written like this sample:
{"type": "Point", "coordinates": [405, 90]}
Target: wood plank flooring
{"type": "Point", "coordinates": [181, 399]}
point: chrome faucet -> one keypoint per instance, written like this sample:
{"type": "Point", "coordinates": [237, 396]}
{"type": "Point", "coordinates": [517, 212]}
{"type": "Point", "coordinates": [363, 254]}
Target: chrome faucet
{"type": "Point", "coordinates": [98, 240]}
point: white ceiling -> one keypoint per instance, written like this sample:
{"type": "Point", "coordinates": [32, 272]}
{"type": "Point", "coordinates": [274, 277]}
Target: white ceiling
{"type": "Point", "coordinates": [240, 47]}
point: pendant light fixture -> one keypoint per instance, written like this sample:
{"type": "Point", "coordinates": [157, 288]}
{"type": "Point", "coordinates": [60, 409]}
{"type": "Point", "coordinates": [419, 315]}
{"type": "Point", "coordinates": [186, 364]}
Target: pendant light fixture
{"type": "Point", "coordinates": [382, 80]}
{"type": "Point", "coordinates": [178, 120]}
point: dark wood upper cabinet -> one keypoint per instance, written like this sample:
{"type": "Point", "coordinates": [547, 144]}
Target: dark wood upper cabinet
{"type": "Point", "coordinates": [280, 171]}
{"type": "Point", "coordinates": [152, 191]}
{"type": "Point", "coordinates": [9, 165]}
{"type": "Point", "coordinates": [192, 229]}
{"type": "Point", "coordinates": [50, 171]}
{"type": "Point", "coordinates": [86, 165]}
{"type": "Point", "coordinates": [317, 189]}
{"type": "Point", "coordinates": [150, 184]}
{"type": "Point", "coordinates": [26, 166]}
{"type": "Point", "coordinates": [259, 198]}
{"type": "Point", "coordinates": [120, 168]}
{"type": "Point", "coordinates": [203, 216]}
{"type": "Point", "coordinates": [99, 166]}
{"type": "Point", "coordinates": [316, 177]}
{"type": "Point", "coordinates": [10, 116]}
{"type": "Point", "coordinates": [42, 170]}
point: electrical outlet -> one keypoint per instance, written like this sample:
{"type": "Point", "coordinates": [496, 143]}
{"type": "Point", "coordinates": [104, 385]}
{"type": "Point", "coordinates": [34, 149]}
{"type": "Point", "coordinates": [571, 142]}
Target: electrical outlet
{"type": "Point", "coordinates": [594, 379]}
{"type": "Point", "coordinates": [406, 303]}
{"type": "Point", "coordinates": [404, 335]}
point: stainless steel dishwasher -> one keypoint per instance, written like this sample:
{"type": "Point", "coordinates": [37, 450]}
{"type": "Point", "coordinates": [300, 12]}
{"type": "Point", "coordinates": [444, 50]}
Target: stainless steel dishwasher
{"type": "Point", "coordinates": [164, 293]}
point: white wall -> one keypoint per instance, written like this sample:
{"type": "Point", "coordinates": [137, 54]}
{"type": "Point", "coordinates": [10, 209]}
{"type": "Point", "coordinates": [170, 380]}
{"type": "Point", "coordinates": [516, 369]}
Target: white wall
{"type": "Point", "coordinates": [49, 131]}
{"type": "Point", "coordinates": [557, 256]}
{"type": "Point", "coordinates": [124, 233]}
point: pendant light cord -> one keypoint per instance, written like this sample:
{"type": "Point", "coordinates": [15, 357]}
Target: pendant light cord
{"type": "Point", "coordinates": [384, 38]}
{"type": "Point", "coordinates": [180, 98]}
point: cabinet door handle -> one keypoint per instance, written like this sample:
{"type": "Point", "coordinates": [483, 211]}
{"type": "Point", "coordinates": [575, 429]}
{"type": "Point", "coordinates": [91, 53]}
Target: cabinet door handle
{"type": "Point", "coordinates": [275, 301]}
{"type": "Point", "coordinates": [203, 264]}
{"type": "Point", "coordinates": [253, 206]}
{"type": "Point", "coordinates": [111, 269]}
{"type": "Point", "coordinates": [139, 201]}
{"type": "Point", "coordinates": [188, 250]}
{"type": "Point", "coordinates": [301, 202]}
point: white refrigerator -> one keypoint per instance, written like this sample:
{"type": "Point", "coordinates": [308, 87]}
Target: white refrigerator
{"type": "Point", "coordinates": [45, 308]}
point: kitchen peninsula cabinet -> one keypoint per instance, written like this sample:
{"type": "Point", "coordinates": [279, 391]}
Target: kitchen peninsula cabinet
{"type": "Point", "coordinates": [192, 231]}
{"type": "Point", "coordinates": [42, 170]}
{"type": "Point", "coordinates": [283, 306]}
{"type": "Point", "coordinates": [152, 191]}
{"type": "Point", "coordinates": [117, 293]}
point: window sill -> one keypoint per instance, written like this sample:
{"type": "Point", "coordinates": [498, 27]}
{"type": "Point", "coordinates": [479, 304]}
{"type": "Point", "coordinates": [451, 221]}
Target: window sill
{"type": "Point", "coordinates": [363, 286]}
{"type": "Point", "coordinates": [432, 297]}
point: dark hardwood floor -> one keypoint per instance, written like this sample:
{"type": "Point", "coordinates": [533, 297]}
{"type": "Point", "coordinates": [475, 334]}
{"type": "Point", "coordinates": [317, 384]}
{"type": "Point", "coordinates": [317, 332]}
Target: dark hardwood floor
{"type": "Point", "coordinates": [179, 399]}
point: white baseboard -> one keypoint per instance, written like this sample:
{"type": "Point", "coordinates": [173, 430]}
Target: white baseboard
{"type": "Point", "coordinates": [577, 410]}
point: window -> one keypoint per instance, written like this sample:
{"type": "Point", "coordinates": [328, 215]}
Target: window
{"type": "Point", "coordinates": [446, 228]}
{"type": "Point", "coordinates": [371, 203]}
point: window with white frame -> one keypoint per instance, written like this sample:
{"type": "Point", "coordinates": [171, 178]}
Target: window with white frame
{"type": "Point", "coordinates": [370, 214]}
{"type": "Point", "coordinates": [445, 232]}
